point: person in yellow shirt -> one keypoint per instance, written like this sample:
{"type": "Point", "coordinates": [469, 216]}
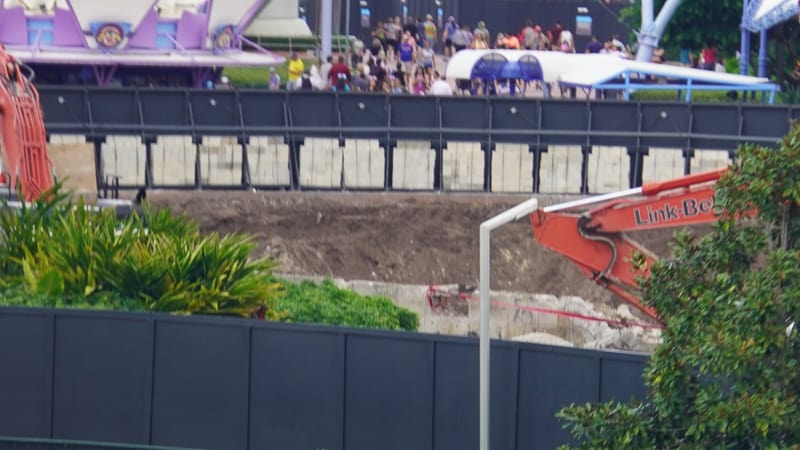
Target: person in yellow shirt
{"type": "Point", "coordinates": [295, 69]}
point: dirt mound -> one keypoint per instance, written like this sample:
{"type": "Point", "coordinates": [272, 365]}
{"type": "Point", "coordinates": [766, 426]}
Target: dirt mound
{"type": "Point", "coordinates": [419, 238]}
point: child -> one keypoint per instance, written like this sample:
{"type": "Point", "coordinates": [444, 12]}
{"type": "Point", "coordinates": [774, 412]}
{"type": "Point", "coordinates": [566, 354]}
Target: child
{"type": "Point", "coordinates": [426, 60]}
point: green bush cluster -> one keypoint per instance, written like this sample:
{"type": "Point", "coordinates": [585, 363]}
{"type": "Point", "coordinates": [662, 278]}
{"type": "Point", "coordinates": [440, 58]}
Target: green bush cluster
{"type": "Point", "coordinates": [68, 254]}
{"type": "Point", "coordinates": [310, 302]}
{"type": "Point", "coordinates": [58, 254]}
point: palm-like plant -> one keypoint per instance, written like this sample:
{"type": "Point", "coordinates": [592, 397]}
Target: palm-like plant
{"type": "Point", "coordinates": [155, 258]}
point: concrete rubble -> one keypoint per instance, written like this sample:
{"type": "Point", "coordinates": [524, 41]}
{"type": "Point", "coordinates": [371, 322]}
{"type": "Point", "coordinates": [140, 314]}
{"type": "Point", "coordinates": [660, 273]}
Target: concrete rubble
{"type": "Point", "coordinates": [538, 318]}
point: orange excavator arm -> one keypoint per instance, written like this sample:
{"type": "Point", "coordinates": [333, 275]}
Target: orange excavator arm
{"type": "Point", "coordinates": [595, 241]}
{"type": "Point", "coordinates": [22, 132]}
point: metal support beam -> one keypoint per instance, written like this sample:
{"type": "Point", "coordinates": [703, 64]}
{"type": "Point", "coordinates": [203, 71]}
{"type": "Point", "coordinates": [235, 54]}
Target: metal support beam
{"type": "Point", "coordinates": [762, 54]}
{"type": "Point", "coordinates": [326, 27]}
{"type": "Point", "coordinates": [649, 36]}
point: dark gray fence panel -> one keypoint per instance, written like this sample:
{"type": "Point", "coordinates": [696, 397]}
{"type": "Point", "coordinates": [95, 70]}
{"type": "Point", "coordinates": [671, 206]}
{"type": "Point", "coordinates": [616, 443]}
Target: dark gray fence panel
{"type": "Point", "coordinates": [414, 117]}
{"type": "Point", "coordinates": [26, 357]}
{"type": "Point", "coordinates": [215, 112]}
{"type": "Point", "coordinates": [102, 384]}
{"type": "Point", "coordinates": [65, 109]}
{"type": "Point", "coordinates": [314, 114]}
{"type": "Point", "coordinates": [469, 115]}
{"type": "Point", "coordinates": [615, 117]}
{"type": "Point", "coordinates": [622, 379]}
{"type": "Point", "coordinates": [115, 111]}
{"type": "Point", "coordinates": [456, 403]}
{"type": "Point", "coordinates": [566, 121]}
{"type": "Point", "coordinates": [263, 112]}
{"type": "Point", "coordinates": [166, 111]}
{"type": "Point", "coordinates": [194, 358]}
{"type": "Point", "coordinates": [388, 393]}
{"type": "Point", "coordinates": [719, 120]}
{"type": "Point", "coordinates": [669, 124]}
{"type": "Point", "coordinates": [518, 118]}
{"type": "Point", "coordinates": [767, 121]}
{"type": "Point", "coordinates": [364, 116]}
{"type": "Point", "coordinates": [232, 384]}
{"type": "Point", "coordinates": [302, 370]}
{"type": "Point", "coordinates": [573, 376]}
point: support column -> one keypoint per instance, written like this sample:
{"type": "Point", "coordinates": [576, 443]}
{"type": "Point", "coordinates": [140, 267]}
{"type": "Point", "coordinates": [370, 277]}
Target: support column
{"type": "Point", "coordinates": [688, 154]}
{"type": "Point", "coordinates": [438, 162]}
{"type": "Point", "coordinates": [246, 182]}
{"type": "Point", "coordinates": [744, 58]}
{"type": "Point", "coordinates": [762, 54]}
{"type": "Point", "coordinates": [325, 27]}
{"type": "Point", "coordinates": [388, 157]}
{"type": "Point", "coordinates": [294, 162]}
{"type": "Point", "coordinates": [586, 150]}
{"type": "Point", "coordinates": [148, 160]}
{"type": "Point", "coordinates": [537, 151]}
{"type": "Point", "coordinates": [197, 141]}
{"type": "Point", "coordinates": [98, 142]}
{"type": "Point", "coordinates": [636, 155]}
{"type": "Point", "coordinates": [488, 151]}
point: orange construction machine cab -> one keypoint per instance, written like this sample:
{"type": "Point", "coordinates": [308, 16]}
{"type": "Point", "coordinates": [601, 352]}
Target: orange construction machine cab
{"type": "Point", "coordinates": [594, 239]}
{"type": "Point", "coordinates": [23, 142]}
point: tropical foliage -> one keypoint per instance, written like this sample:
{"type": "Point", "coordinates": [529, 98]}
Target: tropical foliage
{"type": "Point", "coordinates": [57, 249]}
{"type": "Point", "coordinates": [60, 254]}
{"type": "Point", "coordinates": [726, 375]}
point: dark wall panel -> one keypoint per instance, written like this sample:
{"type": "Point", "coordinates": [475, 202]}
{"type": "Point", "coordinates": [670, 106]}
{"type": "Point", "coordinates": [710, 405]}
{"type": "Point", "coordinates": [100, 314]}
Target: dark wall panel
{"type": "Point", "coordinates": [622, 379]}
{"type": "Point", "coordinates": [298, 401]}
{"type": "Point", "coordinates": [671, 121]}
{"type": "Point", "coordinates": [567, 119]}
{"type": "Point", "coordinates": [715, 119]}
{"type": "Point", "coordinates": [622, 117]}
{"type": "Point", "coordinates": [115, 110]}
{"type": "Point", "coordinates": [165, 108]}
{"type": "Point", "coordinates": [573, 376]}
{"type": "Point", "coordinates": [263, 109]}
{"type": "Point", "coordinates": [520, 118]}
{"type": "Point", "coordinates": [314, 109]}
{"type": "Point", "coordinates": [364, 111]}
{"type": "Point", "coordinates": [200, 385]}
{"type": "Point", "coordinates": [388, 393]}
{"type": "Point", "coordinates": [102, 378]}
{"type": "Point", "coordinates": [215, 112]}
{"type": "Point", "coordinates": [456, 403]}
{"type": "Point", "coordinates": [65, 110]}
{"type": "Point", "coordinates": [470, 114]}
{"type": "Point", "coordinates": [765, 121]}
{"type": "Point", "coordinates": [26, 356]}
{"type": "Point", "coordinates": [419, 115]}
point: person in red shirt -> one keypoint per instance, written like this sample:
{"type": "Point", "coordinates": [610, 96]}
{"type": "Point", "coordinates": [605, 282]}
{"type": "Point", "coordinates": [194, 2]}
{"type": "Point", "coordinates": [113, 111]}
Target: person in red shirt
{"type": "Point", "coordinates": [709, 54]}
{"type": "Point", "coordinates": [340, 68]}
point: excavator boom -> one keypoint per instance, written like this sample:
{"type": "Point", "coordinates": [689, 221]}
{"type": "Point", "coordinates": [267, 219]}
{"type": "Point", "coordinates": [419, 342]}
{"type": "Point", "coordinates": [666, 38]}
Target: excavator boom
{"type": "Point", "coordinates": [22, 132]}
{"type": "Point", "coordinates": [595, 239]}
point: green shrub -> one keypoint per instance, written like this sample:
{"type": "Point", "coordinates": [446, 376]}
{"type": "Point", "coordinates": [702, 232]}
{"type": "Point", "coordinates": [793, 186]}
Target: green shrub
{"type": "Point", "coordinates": [56, 249]}
{"type": "Point", "coordinates": [310, 302]}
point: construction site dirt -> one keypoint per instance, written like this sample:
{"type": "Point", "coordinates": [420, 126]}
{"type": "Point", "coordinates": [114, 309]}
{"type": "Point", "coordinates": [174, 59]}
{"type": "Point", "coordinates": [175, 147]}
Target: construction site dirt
{"type": "Point", "coordinates": [413, 238]}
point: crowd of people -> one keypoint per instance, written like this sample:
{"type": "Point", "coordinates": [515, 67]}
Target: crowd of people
{"type": "Point", "coordinates": [411, 57]}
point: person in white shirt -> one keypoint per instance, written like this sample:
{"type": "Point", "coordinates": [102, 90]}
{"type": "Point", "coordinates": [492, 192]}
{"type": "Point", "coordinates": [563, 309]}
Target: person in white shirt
{"type": "Point", "coordinates": [440, 86]}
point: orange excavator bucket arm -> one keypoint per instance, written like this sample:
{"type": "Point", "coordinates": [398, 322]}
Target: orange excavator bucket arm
{"type": "Point", "coordinates": [595, 241]}
{"type": "Point", "coordinates": [22, 131]}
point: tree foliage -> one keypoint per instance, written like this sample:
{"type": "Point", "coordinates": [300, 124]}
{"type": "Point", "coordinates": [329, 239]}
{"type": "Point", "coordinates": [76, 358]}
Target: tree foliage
{"type": "Point", "coordinates": [695, 23]}
{"type": "Point", "coordinates": [727, 374]}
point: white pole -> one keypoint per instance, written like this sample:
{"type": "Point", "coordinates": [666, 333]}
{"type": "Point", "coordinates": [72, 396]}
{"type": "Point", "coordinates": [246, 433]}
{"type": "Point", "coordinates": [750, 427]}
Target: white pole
{"type": "Point", "coordinates": [486, 228]}
{"type": "Point", "coordinates": [347, 18]}
{"type": "Point", "coordinates": [325, 27]}
{"type": "Point", "coordinates": [592, 200]}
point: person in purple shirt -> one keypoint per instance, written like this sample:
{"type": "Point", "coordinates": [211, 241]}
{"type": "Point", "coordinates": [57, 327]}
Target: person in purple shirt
{"type": "Point", "coordinates": [594, 45]}
{"type": "Point", "coordinates": [450, 29]}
